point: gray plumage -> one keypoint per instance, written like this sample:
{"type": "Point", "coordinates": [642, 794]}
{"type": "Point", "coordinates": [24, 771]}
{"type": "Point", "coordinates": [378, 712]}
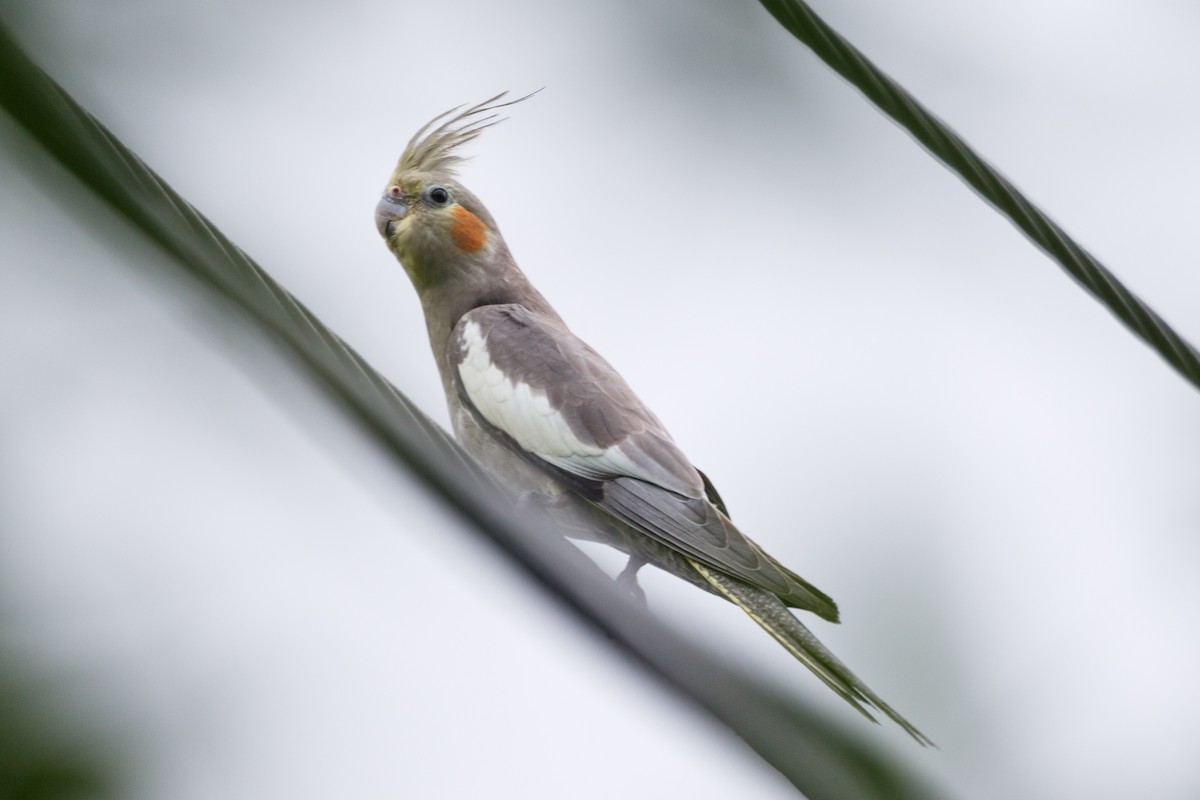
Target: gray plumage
{"type": "Point", "coordinates": [552, 419]}
{"type": "Point", "coordinates": [668, 500]}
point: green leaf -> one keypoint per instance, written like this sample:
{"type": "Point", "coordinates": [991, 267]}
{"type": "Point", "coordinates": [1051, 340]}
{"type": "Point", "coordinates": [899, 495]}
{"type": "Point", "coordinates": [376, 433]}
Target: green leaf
{"type": "Point", "coordinates": [819, 758]}
{"type": "Point", "coordinates": [943, 143]}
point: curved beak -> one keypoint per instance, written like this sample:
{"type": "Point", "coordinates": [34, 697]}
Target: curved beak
{"type": "Point", "coordinates": [389, 211]}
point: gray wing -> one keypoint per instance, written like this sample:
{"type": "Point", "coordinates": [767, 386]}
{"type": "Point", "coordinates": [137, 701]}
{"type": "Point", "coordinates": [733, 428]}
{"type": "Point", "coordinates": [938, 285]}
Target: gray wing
{"type": "Point", "coordinates": [529, 379]}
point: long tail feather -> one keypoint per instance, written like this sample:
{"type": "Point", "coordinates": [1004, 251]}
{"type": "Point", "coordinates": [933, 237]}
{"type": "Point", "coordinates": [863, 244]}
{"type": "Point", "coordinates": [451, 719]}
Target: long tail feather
{"type": "Point", "coordinates": [773, 616]}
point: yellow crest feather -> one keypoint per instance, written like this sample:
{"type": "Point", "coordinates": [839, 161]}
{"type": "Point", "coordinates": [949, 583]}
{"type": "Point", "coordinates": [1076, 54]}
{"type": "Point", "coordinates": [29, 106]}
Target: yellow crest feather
{"type": "Point", "coordinates": [434, 151]}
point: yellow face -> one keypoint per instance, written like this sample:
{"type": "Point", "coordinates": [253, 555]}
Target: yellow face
{"type": "Point", "coordinates": [426, 226]}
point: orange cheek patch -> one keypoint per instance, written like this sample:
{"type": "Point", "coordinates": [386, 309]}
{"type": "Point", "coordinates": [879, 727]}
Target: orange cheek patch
{"type": "Point", "coordinates": [467, 230]}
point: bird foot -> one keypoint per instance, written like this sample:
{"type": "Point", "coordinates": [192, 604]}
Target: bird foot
{"type": "Point", "coordinates": [627, 580]}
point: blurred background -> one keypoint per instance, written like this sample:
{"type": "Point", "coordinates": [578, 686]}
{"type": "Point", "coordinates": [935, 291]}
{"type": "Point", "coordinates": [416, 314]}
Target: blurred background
{"type": "Point", "coordinates": [232, 595]}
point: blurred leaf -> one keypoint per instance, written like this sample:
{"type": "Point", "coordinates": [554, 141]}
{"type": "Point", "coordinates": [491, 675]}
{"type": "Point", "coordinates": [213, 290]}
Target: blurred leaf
{"type": "Point", "coordinates": [41, 756]}
{"type": "Point", "coordinates": [819, 758]}
{"type": "Point", "coordinates": [893, 100]}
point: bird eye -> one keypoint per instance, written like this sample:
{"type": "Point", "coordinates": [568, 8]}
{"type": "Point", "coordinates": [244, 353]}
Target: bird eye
{"type": "Point", "coordinates": [438, 195]}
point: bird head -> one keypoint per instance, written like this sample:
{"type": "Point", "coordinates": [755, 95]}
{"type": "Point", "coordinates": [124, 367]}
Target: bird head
{"type": "Point", "coordinates": [433, 225]}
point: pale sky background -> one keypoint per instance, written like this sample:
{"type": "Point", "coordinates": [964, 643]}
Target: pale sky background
{"type": "Point", "coordinates": [897, 395]}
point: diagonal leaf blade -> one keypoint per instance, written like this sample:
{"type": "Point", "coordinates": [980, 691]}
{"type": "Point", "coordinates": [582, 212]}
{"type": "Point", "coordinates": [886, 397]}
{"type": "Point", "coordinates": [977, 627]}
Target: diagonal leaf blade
{"type": "Point", "coordinates": [949, 148]}
{"type": "Point", "coordinates": [818, 758]}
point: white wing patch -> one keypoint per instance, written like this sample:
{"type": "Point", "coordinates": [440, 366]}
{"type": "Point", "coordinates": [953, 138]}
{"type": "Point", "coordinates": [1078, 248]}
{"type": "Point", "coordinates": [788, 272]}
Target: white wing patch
{"type": "Point", "coordinates": [525, 414]}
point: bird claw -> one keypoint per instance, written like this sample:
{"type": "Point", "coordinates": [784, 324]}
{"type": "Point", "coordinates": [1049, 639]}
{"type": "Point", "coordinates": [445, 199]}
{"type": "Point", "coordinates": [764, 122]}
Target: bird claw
{"type": "Point", "coordinates": [627, 580]}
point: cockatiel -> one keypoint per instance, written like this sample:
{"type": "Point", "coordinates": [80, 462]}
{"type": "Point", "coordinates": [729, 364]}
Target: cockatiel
{"type": "Point", "coordinates": [546, 414]}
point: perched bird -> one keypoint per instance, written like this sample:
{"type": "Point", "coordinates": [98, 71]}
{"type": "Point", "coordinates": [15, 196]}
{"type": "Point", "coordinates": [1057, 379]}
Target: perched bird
{"type": "Point", "coordinates": [547, 415]}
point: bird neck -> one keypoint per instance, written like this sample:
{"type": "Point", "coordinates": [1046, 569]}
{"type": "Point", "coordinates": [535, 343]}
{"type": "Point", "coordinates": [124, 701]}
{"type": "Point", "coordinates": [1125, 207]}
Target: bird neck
{"type": "Point", "coordinates": [446, 302]}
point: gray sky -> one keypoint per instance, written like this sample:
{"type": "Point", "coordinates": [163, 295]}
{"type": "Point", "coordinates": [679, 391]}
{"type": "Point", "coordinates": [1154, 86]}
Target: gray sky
{"type": "Point", "coordinates": [897, 395]}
